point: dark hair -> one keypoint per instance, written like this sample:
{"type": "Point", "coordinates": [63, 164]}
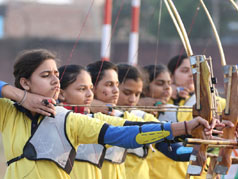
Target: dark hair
{"type": "Point", "coordinates": [98, 68]}
{"type": "Point", "coordinates": [154, 70]}
{"type": "Point", "coordinates": [175, 62]}
{"type": "Point", "coordinates": [68, 74]}
{"type": "Point", "coordinates": [126, 71]}
{"type": "Point", "coordinates": [28, 61]}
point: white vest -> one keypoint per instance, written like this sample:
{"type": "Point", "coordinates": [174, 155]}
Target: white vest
{"type": "Point", "coordinates": [140, 152]}
{"type": "Point", "coordinates": [116, 154]}
{"type": "Point", "coordinates": [91, 153]}
{"type": "Point", "coordinates": [170, 116]}
{"type": "Point", "coordinates": [50, 142]}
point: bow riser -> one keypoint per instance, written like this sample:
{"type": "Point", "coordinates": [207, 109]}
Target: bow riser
{"type": "Point", "coordinates": [230, 113]}
{"type": "Point", "coordinates": [203, 108]}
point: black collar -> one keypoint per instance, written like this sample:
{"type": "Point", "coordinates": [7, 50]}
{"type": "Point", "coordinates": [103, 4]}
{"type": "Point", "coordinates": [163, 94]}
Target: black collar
{"type": "Point", "coordinates": [34, 119]}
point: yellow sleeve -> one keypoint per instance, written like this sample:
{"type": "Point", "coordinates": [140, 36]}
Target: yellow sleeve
{"type": "Point", "coordinates": [184, 116]}
{"type": "Point", "coordinates": [82, 129]}
{"type": "Point", "coordinates": [132, 117]}
{"type": "Point", "coordinates": [112, 120]}
{"type": "Point", "coordinates": [146, 118]}
{"type": "Point", "coordinates": [6, 109]}
{"type": "Point", "coordinates": [150, 118]}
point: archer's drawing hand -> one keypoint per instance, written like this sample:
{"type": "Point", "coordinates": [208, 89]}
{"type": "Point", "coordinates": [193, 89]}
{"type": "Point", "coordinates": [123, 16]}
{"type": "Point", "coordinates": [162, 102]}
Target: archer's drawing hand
{"type": "Point", "coordinates": [34, 103]}
{"type": "Point", "coordinates": [99, 106]}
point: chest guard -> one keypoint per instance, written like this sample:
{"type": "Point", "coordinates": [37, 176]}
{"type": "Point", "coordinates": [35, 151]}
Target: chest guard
{"type": "Point", "coordinates": [92, 153]}
{"type": "Point", "coordinates": [50, 142]}
{"type": "Point", "coordinates": [170, 116]}
{"type": "Point", "coordinates": [116, 154]}
{"type": "Point", "coordinates": [140, 152]}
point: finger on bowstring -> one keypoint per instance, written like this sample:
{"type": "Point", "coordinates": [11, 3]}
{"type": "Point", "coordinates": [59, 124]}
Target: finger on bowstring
{"type": "Point", "coordinates": [53, 101]}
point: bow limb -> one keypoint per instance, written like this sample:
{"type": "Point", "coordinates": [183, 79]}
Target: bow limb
{"type": "Point", "coordinates": [221, 51]}
{"type": "Point", "coordinates": [176, 26]}
{"type": "Point", "coordinates": [234, 4]}
{"type": "Point", "coordinates": [182, 28]}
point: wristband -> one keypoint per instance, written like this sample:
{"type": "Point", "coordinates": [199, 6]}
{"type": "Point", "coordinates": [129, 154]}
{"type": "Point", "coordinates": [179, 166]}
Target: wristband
{"type": "Point", "coordinates": [23, 98]}
{"type": "Point", "coordinates": [186, 128]}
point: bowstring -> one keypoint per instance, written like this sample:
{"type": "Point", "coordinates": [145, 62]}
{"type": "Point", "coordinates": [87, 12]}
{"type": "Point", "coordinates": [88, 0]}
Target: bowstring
{"type": "Point", "coordinates": [78, 37]}
{"type": "Point", "coordinates": [157, 42]}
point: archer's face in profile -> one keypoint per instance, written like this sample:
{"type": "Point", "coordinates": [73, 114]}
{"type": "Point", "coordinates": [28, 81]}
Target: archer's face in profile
{"type": "Point", "coordinates": [183, 76]}
{"type": "Point", "coordinates": [160, 87]}
{"type": "Point", "coordinates": [80, 91]}
{"type": "Point", "coordinates": [106, 89]}
{"type": "Point", "coordinates": [44, 80]}
{"type": "Point", "coordinates": [130, 91]}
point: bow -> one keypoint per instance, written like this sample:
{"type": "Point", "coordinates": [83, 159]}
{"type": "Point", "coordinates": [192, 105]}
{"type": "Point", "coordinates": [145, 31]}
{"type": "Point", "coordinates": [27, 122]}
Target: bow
{"type": "Point", "coordinates": [205, 100]}
{"type": "Point", "coordinates": [230, 113]}
{"type": "Point", "coordinates": [204, 91]}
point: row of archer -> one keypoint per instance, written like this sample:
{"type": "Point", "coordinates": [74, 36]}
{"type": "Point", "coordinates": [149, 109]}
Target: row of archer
{"type": "Point", "coordinates": [206, 101]}
{"type": "Point", "coordinates": [76, 80]}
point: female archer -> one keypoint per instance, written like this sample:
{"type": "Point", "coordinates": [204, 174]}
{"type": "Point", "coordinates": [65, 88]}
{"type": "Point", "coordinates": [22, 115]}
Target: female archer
{"type": "Point", "coordinates": [38, 146]}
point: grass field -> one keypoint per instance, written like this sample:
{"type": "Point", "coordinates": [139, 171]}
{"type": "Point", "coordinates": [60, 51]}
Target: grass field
{"type": "Point", "coordinates": [2, 160]}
